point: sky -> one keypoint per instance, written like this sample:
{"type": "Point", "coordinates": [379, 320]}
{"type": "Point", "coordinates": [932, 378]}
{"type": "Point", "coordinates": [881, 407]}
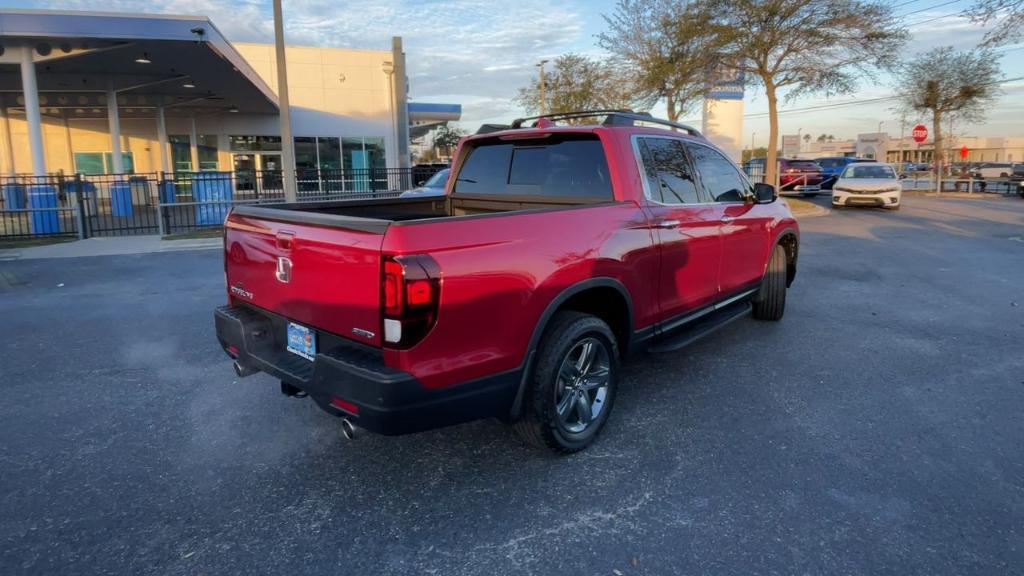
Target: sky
{"type": "Point", "coordinates": [479, 52]}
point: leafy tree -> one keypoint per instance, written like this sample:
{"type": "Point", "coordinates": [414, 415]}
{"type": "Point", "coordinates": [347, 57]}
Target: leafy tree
{"type": "Point", "coordinates": [949, 84]}
{"type": "Point", "coordinates": [665, 47]}
{"type": "Point", "coordinates": [1007, 15]}
{"type": "Point", "coordinates": [805, 46]}
{"type": "Point", "coordinates": [807, 138]}
{"type": "Point", "coordinates": [822, 137]}
{"type": "Point", "coordinates": [576, 82]}
{"type": "Point", "coordinates": [446, 138]}
{"type": "Point", "coordinates": [759, 152]}
{"type": "Point", "coordinates": [830, 138]}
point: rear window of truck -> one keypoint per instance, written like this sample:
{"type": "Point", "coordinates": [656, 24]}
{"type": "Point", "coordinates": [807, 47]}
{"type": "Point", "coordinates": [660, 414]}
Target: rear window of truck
{"type": "Point", "coordinates": [569, 167]}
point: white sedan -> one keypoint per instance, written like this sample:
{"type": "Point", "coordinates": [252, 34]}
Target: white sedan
{"type": "Point", "coordinates": [868, 184]}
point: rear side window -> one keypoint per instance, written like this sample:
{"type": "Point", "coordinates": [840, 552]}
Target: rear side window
{"type": "Point", "coordinates": [669, 176]}
{"type": "Point", "coordinates": [719, 175]}
{"type": "Point", "coordinates": [572, 167]}
{"type": "Point", "coordinates": [805, 166]}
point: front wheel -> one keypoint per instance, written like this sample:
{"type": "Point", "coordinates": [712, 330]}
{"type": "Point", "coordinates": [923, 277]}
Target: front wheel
{"type": "Point", "coordinates": [770, 301]}
{"type": "Point", "coordinates": [573, 386]}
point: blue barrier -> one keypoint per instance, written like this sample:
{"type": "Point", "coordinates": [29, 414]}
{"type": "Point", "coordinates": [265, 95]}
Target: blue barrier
{"type": "Point", "coordinates": [167, 192]}
{"type": "Point", "coordinates": [43, 199]}
{"type": "Point", "coordinates": [211, 187]}
{"type": "Point", "coordinates": [14, 196]}
{"type": "Point", "coordinates": [121, 199]}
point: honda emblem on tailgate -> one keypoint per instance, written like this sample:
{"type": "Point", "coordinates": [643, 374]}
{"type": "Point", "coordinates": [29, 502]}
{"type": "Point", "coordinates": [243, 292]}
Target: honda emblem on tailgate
{"type": "Point", "coordinates": [284, 269]}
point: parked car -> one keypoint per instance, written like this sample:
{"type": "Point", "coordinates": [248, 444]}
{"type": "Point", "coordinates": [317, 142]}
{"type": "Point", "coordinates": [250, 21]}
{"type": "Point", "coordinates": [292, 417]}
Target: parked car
{"type": "Point", "coordinates": [833, 166]}
{"type": "Point", "coordinates": [801, 176]}
{"type": "Point", "coordinates": [432, 187]}
{"type": "Point", "coordinates": [992, 170]}
{"type": "Point", "coordinates": [559, 250]}
{"type": "Point", "coordinates": [1018, 172]}
{"type": "Point", "coordinates": [868, 184]}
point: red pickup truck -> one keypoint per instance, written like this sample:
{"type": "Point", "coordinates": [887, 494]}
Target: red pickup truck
{"type": "Point", "coordinates": [558, 250]}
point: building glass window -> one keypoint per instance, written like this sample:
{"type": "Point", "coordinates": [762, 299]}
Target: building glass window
{"type": "Point", "coordinates": [255, 143]}
{"type": "Point", "coordinates": [93, 163]}
{"type": "Point", "coordinates": [305, 153]}
{"type": "Point", "coordinates": [328, 153]}
{"type": "Point", "coordinates": [181, 152]}
{"type": "Point", "coordinates": [375, 152]}
{"type": "Point", "coordinates": [208, 159]}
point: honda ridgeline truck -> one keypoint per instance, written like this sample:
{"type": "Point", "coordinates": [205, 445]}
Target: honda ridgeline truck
{"type": "Point", "coordinates": [558, 249]}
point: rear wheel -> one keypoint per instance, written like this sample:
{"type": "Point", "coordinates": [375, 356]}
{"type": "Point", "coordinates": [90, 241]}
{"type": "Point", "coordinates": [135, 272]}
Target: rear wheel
{"type": "Point", "coordinates": [573, 386]}
{"type": "Point", "coordinates": [770, 301]}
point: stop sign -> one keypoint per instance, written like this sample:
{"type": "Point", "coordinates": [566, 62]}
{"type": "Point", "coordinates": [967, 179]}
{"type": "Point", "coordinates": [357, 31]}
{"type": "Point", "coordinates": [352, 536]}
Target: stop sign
{"type": "Point", "coordinates": [920, 133]}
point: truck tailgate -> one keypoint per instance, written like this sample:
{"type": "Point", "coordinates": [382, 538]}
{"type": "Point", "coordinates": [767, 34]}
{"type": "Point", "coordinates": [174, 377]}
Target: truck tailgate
{"type": "Point", "coordinates": [326, 278]}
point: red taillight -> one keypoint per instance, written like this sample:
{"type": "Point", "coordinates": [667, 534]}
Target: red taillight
{"type": "Point", "coordinates": [394, 277]}
{"type": "Point", "coordinates": [411, 295]}
{"type": "Point", "coordinates": [419, 293]}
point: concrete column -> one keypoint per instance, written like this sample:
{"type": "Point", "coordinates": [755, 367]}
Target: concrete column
{"type": "Point", "coordinates": [401, 92]}
{"type": "Point", "coordinates": [114, 122]}
{"type": "Point", "coordinates": [32, 114]}
{"type": "Point", "coordinates": [285, 112]}
{"type": "Point", "coordinates": [194, 148]}
{"type": "Point", "coordinates": [161, 137]}
{"type": "Point", "coordinates": [8, 145]}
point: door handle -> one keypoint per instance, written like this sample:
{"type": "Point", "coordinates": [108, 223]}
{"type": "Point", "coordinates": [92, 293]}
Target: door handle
{"type": "Point", "coordinates": [727, 219]}
{"type": "Point", "coordinates": [667, 223]}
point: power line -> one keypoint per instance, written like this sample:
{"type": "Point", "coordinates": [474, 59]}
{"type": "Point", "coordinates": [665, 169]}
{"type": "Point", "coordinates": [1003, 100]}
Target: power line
{"type": "Point", "coordinates": [858, 102]}
{"type": "Point", "coordinates": [927, 8]}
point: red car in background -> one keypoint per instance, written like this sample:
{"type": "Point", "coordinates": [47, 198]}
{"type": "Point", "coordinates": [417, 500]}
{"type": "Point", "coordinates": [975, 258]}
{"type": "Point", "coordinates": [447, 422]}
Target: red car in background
{"type": "Point", "coordinates": [804, 177]}
{"type": "Point", "coordinates": [801, 176]}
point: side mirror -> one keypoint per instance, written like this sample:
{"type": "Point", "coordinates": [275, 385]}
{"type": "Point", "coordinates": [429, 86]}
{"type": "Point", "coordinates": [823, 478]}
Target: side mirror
{"type": "Point", "coordinates": [764, 193]}
{"type": "Point", "coordinates": [420, 183]}
{"type": "Point", "coordinates": [903, 176]}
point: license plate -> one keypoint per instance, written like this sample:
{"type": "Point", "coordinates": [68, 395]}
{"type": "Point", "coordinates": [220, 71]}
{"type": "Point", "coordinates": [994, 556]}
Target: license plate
{"type": "Point", "coordinates": [301, 341]}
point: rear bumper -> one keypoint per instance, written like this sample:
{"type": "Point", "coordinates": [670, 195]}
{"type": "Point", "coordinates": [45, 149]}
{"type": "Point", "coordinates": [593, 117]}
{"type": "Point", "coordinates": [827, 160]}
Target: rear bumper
{"type": "Point", "coordinates": [385, 400]}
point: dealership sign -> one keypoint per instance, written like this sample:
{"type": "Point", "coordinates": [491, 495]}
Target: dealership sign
{"type": "Point", "coordinates": [920, 133]}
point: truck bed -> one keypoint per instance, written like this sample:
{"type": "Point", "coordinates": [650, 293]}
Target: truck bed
{"type": "Point", "coordinates": [376, 215]}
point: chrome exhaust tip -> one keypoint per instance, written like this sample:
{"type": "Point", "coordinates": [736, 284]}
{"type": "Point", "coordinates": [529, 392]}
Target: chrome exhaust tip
{"type": "Point", "coordinates": [243, 371]}
{"type": "Point", "coordinates": [348, 429]}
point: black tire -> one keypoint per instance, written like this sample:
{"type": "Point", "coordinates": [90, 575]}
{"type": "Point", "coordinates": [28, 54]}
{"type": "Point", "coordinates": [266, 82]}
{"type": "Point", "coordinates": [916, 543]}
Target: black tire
{"type": "Point", "coordinates": [540, 424]}
{"type": "Point", "coordinates": [770, 301]}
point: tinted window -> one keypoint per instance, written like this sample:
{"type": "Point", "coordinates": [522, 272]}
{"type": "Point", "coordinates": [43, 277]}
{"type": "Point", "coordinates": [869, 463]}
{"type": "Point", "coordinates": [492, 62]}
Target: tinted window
{"type": "Point", "coordinates": [869, 171]}
{"type": "Point", "coordinates": [831, 163]}
{"type": "Point", "coordinates": [719, 175]}
{"type": "Point", "coordinates": [669, 176]}
{"type": "Point", "coordinates": [805, 166]}
{"type": "Point", "coordinates": [573, 167]}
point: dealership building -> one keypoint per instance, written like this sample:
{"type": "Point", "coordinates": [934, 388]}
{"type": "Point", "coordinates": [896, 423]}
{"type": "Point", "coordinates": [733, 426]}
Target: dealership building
{"type": "Point", "coordinates": [880, 145]}
{"type": "Point", "coordinates": [99, 93]}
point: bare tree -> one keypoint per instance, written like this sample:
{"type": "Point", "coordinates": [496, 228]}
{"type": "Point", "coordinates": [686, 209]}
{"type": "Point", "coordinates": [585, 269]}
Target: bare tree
{"type": "Point", "coordinates": [805, 46]}
{"type": "Point", "coordinates": [576, 82]}
{"type": "Point", "coordinates": [1007, 15]}
{"type": "Point", "coordinates": [949, 85]}
{"type": "Point", "coordinates": [665, 47]}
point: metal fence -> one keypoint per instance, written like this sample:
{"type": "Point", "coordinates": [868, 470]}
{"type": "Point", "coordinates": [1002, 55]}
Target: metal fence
{"type": "Point", "coordinates": [156, 203]}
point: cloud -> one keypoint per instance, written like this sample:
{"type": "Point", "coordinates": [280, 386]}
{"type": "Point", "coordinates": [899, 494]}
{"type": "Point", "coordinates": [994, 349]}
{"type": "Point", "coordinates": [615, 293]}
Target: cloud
{"type": "Point", "coordinates": [478, 52]}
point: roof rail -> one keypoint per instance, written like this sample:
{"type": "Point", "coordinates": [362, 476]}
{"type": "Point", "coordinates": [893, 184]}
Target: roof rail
{"type": "Point", "coordinates": [617, 117]}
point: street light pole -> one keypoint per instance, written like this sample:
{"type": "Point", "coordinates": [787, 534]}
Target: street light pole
{"type": "Point", "coordinates": [543, 102]}
{"type": "Point", "coordinates": [799, 142]}
{"type": "Point", "coordinates": [752, 134]}
{"type": "Point", "coordinates": [284, 110]}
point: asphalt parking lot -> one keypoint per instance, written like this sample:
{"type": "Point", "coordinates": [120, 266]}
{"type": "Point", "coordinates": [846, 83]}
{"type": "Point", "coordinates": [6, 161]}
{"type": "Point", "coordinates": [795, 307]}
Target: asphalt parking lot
{"type": "Point", "coordinates": [877, 429]}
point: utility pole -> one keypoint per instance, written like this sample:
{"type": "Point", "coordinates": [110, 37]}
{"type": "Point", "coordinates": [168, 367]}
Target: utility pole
{"type": "Point", "coordinates": [543, 101]}
{"type": "Point", "coordinates": [752, 135]}
{"type": "Point", "coordinates": [284, 113]}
